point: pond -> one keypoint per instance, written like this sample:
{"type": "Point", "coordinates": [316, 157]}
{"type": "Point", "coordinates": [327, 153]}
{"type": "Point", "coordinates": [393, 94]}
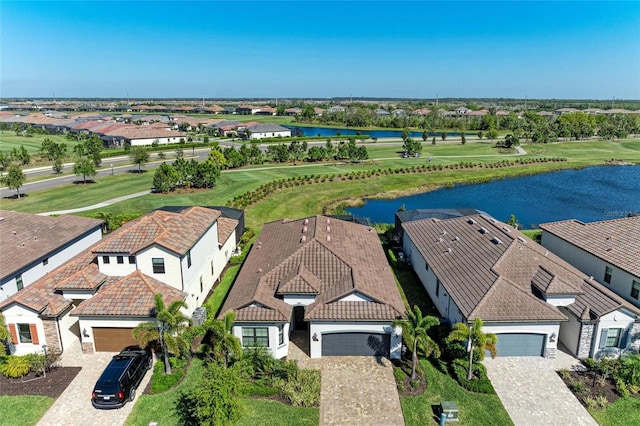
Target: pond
{"type": "Point", "coordinates": [330, 131]}
{"type": "Point", "coordinates": [589, 194]}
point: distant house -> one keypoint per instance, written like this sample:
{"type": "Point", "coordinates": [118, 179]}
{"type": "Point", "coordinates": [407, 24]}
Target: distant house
{"type": "Point", "coordinates": [33, 246]}
{"type": "Point", "coordinates": [100, 295]}
{"type": "Point", "coordinates": [293, 111]}
{"type": "Point", "coordinates": [247, 110]}
{"type": "Point", "coordinates": [421, 111]}
{"type": "Point", "coordinates": [323, 278]}
{"type": "Point", "coordinates": [382, 113]}
{"type": "Point", "coordinates": [266, 110]}
{"type": "Point", "coordinates": [562, 111]}
{"type": "Point", "coordinates": [335, 109]}
{"type": "Point", "coordinates": [261, 131]}
{"type": "Point", "coordinates": [608, 250]}
{"type": "Point", "coordinates": [229, 110]}
{"type": "Point", "coordinates": [477, 267]}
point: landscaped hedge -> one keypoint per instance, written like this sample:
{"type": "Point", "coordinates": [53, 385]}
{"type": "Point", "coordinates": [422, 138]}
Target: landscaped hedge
{"type": "Point", "coordinates": [161, 382]}
{"type": "Point", "coordinates": [480, 384]}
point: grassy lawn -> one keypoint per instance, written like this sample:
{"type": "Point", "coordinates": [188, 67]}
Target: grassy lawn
{"type": "Point", "coordinates": [9, 140]}
{"type": "Point", "coordinates": [220, 293]}
{"type": "Point", "coordinates": [24, 410]}
{"type": "Point", "coordinates": [474, 408]}
{"type": "Point", "coordinates": [272, 413]}
{"type": "Point", "coordinates": [623, 412]}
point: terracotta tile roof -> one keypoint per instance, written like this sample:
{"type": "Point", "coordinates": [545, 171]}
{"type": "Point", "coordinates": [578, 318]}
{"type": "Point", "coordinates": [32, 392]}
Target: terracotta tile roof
{"type": "Point", "coordinates": [615, 241]}
{"type": "Point", "coordinates": [316, 255]}
{"type": "Point", "coordinates": [488, 268]}
{"type": "Point", "coordinates": [226, 226]}
{"type": "Point", "coordinates": [27, 238]}
{"type": "Point", "coordinates": [44, 295]}
{"type": "Point", "coordinates": [177, 232]}
{"type": "Point", "coordinates": [133, 131]}
{"type": "Point", "coordinates": [132, 295]}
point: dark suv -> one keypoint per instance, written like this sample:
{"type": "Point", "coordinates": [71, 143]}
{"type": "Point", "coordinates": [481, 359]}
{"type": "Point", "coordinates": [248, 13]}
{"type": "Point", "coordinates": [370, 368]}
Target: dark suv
{"type": "Point", "coordinates": [119, 380]}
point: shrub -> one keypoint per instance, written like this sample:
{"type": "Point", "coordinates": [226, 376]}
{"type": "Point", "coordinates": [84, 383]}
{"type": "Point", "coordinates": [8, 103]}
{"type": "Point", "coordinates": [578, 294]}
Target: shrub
{"type": "Point", "coordinates": [565, 374]}
{"type": "Point", "coordinates": [578, 387]}
{"type": "Point", "coordinates": [303, 389]}
{"type": "Point", "coordinates": [602, 401]}
{"type": "Point", "coordinates": [15, 366]}
{"type": "Point", "coordinates": [37, 362]}
{"type": "Point", "coordinates": [481, 384]}
{"type": "Point", "coordinates": [590, 363]}
{"type": "Point", "coordinates": [622, 389]}
{"type": "Point", "coordinates": [590, 403]}
{"type": "Point", "coordinates": [161, 382]}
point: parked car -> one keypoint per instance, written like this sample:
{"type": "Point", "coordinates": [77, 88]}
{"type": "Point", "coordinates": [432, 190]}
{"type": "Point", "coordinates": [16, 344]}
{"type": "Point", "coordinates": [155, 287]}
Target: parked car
{"type": "Point", "coordinates": [121, 378]}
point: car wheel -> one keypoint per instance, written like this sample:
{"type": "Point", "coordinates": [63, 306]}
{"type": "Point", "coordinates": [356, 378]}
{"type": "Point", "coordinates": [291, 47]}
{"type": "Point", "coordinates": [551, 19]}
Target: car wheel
{"type": "Point", "coordinates": [132, 394]}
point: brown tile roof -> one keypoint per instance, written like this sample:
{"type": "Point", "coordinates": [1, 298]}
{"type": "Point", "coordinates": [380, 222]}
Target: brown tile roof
{"type": "Point", "coordinates": [133, 131]}
{"type": "Point", "coordinates": [44, 295]}
{"type": "Point", "coordinates": [132, 295]}
{"type": "Point", "coordinates": [597, 300]}
{"type": "Point", "coordinates": [177, 232]}
{"type": "Point", "coordinates": [615, 241]}
{"type": "Point", "coordinates": [27, 238]}
{"type": "Point", "coordinates": [316, 255]}
{"type": "Point", "coordinates": [489, 268]}
{"type": "Point", "coordinates": [226, 226]}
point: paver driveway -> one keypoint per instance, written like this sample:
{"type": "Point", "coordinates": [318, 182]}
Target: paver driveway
{"type": "Point", "coordinates": [532, 392]}
{"type": "Point", "coordinates": [73, 407]}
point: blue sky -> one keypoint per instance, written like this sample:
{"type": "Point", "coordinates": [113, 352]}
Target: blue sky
{"type": "Point", "coordinates": [320, 49]}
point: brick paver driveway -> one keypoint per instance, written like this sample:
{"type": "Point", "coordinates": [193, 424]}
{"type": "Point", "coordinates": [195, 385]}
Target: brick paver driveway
{"type": "Point", "coordinates": [532, 392]}
{"type": "Point", "coordinates": [359, 391]}
{"type": "Point", "coordinates": [73, 407]}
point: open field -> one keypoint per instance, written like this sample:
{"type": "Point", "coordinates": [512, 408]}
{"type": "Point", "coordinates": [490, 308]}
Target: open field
{"type": "Point", "coordinates": [9, 140]}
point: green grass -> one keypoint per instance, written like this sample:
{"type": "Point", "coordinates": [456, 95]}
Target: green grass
{"type": "Point", "coordinates": [9, 140]}
{"type": "Point", "coordinates": [474, 408]}
{"type": "Point", "coordinates": [220, 292]}
{"type": "Point", "coordinates": [24, 409]}
{"type": "Point", "coordinates": [623, 412]}
{"type": "Point", "coordinates": [260, 412]}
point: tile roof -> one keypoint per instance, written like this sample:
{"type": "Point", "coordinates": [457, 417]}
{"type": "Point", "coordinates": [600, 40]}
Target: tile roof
{"type": "Point", "coordinates": [615, 241]}
{"type": "Point", "coordinates": [226, 226]}
{"type": "Point", "coordinates": [489, 268]}
{"type": "Point", "coordinates": [132, 295]}
{"type": "Point", "coordinates": [176, 232]}
{"type": "Point", "coordinates": [27, 238]}
{"type": "Point", "coordinates": [597, 300]}
{"type": "Point", "coordinates": [315, 255]}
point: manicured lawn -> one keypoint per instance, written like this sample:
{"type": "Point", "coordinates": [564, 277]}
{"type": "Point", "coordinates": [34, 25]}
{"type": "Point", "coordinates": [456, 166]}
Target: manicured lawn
{"type": "Point", "coordinates": [220, 293]}
{"type": "Point", "coordinates": [9, 140]}
{"type": "Point", "coordinates": [474, 408]}
{"type": "Point", "coordinates": [623, 412]}
{"type": "Point", "coordinates": [24, 410]}
{"type": "Point", "coordinates": [272, 413]}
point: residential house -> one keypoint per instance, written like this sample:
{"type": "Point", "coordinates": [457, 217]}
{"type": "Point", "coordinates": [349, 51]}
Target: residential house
{"type": "Point", "coordinates": [34, 245]}
{"type": "Point", "coordinates": [99, 296]}
{"type": "Point", "coordinates": [293, 111]}
{"type": "Point", "coordinates": [324, 278]}
{"type": "Point", "coordinates": [608, 250]}
{"type": "Point", "coordinates": [382, 113]}
{"type": "Point", "coordinates": [421, 111]}
{"type": "Point", "coordinates": [266, 110]}
{"type": "Point", "coordinates": [477, 267]}
{"type": "Point", "coordinates": [261, 131]}
{"type": "Point", "coordinates": [247, 110]}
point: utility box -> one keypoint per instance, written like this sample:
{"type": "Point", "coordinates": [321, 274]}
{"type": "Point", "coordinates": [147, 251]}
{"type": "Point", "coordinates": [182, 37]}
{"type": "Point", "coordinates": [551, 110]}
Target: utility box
{"type": "Point", "coordinates": [450, 410]}
{"type": "Point", "coordinates": [199, 316]}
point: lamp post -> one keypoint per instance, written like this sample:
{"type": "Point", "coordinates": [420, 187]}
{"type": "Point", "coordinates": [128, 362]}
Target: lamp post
{"type": "Point", "coordinates": [111, 169]}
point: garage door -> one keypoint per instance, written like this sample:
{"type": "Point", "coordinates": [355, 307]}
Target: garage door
{"type": "Point", "coordinates": [350, 344]}
{"type": "Point", "coordinates": [112, 339]}
{"type": "Point", "coordinates": [520, 344]}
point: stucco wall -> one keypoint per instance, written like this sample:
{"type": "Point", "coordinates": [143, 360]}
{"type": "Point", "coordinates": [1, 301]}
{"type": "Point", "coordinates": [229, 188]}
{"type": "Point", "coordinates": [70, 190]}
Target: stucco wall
{"type": "Point", "coordinates": [277, 350]}
{"type": "Point", "coordinates": [570, 333]}
{"type": "Point", "coordinates": [16, 314]}
{"type": "Point", "coordinates": [172, 275]}
{"type": "Point", "coordinates": [319, 328]}
{"type": "Point", "coordinates": [299, 300]}
{"type": "Point", "coordinates": [617, 319]}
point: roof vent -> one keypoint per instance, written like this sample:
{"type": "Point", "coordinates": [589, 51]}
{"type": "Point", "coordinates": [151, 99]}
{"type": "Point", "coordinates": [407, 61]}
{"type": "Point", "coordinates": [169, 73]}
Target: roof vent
{"type": "Point", "coordinates": [483, 230]}
{"type": "Point", "coordinates": [496, 240]}
{"type": "Point", "coordinates": [329, 238]}
{"type": "Point", "coordinates": [505, 229]}
{"type": "Point", "coordinates": [449, 250]}
{"type": "Point", "coordinates": [328, 229]}
{"type": "Point", "coordinates": [306, 221]}
{"type": "Point", "coordinates": [590, 277]}
{"type": "Point", "coordinates": [328, 221]}
{"type": "Point", "coordinates": [546, 252]}
{"type": "Point", "coordinates": [439, 240]}
{"type": "Point", "coordinates": [444, 232]}
{"type": "Point", "coordinates": [471, 222]}
{"type": "Point", "coordinates": [304, 229]}
{"type": "Point", "coordinates": [303, 239]}
{"type": "Point", "coordinates": [492, 220]}
{"type": "Point", "coordinates": [14, 232]}
{"type": "Point", "coordinates": [456, 238]}
{"type": "Point", "coordinates": [522, 240]}
{"type": "Point", "coordinates": [260, 270]}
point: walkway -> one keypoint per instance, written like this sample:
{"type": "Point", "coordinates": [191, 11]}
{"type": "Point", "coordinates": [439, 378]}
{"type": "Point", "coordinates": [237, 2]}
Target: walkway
{"type": "Point", "coordinates": [73, 407]}
{"type": "Point", "coordinates": [532, 392]}
{"type": "Point", "coordinates": [99, 205]}
{"type": "Point", "coordinates": [358, 391]}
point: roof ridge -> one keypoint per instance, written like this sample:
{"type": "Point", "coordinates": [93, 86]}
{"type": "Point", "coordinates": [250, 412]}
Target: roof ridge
{"type": "Point", "coordinates": [143, 278]}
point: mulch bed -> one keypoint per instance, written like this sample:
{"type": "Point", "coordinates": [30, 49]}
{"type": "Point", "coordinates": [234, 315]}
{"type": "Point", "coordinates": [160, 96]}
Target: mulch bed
{"type": "Point", "coordinates": [52, 385]}
{"type": "Point", "coordinates": [594, 388]}
{"type": "Point", "coordinates": [405, 388]}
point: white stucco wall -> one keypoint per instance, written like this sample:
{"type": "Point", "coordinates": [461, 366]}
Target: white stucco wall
{"type": "Point", "coordinates": [277, 350]}
{"type": "Point", "coordinates": [299, 300]}
{"type": "Point", "coordinates": [262, 135]}
{"type": "Point", "coordinates": [443, 302]}
{"type": "Point", "coordinates": [617, 319]}
{"type": "Point", "coordinates": [355, 297]}
{"type": "Point", "coordinates": [161, 140]}
{"type": "Point", "coordinates": [621, 281]}
{"type": "Point", "coordinates": [172, 275]}
{"type": "Point", "coordinates": [17, 314]}
{"type": "Point", "coordinates": [69, 330]}
{"type": "Point", "coordinates": [320, 328]}
{"type": "Point", "coordinates": [570, 333]}
{"type": "Point", "coordinates": [560, 300]}
{"type": "Point", "coordinates": [36, 270]}
{"type": "Point", "coordinates": [536, 328]}
{"type": "Point", "coordinates": [113, 268]}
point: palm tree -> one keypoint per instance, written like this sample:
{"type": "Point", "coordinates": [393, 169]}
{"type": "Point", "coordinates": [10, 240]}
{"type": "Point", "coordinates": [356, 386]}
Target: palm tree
{"type": "Point", "coordinates": [223, 342]}
{"type": "Point", "coordinates": [414, 333]}
{"type": "Point", "coordinates": [168, 327]}
{"type": "Point", "coordinates": [478, 342]}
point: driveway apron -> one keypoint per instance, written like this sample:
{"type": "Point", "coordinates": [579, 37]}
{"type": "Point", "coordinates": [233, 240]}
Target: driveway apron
{"type": "Point", "coordinates": [358, 391]}
{"type": "Point", "coordinates": [532, 392]}
{"type": "Point", "coordinates": [73, 407]}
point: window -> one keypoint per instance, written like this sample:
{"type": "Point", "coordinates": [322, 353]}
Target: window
{"type": "Point", "coordinates": [608, 271]}
{"type": "Point", "coordinates": [45, 262]}
{"type": "Point", "coordinates": [281, 334]}
{"type": "Point", "coordinates": [120, 260]}
{"type": "Point", "coordinates": [212, 268]}
{"type": "Point", "coordinates": [635, 289]}
{"type": "Point", "coordinates": [24, 333]}
{"type": "Point", "coordinates": [19, 282]}
{"type": "Point", "coordinates": [132, 260]}
{"type": "Point", "coordinates": [255, 336]}
{"type": "Point", "coordinates": [189, 259]}
{"type": "Point", "coordinates": [426, 265]}
{"type": "Point", "coordinates": [105, 260]}
{"type": "Point", "coordinates": [201, 284]}
{"type": "Point", "coordinates": [158, 265]}
{"type": "Point", "coordinates": [613, 338]}
{"type": "Point", "coordinates": [437, 288]}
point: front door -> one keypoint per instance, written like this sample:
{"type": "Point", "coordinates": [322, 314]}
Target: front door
{"type": "Point", "coordinates": [298, 318]}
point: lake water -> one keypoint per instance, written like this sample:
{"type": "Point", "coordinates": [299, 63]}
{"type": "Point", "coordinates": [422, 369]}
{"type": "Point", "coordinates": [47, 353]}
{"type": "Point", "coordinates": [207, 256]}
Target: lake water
{"type": "Point", "coordinates": [329, 131]}
{"type": "Point", "coordinates": [590, 194]}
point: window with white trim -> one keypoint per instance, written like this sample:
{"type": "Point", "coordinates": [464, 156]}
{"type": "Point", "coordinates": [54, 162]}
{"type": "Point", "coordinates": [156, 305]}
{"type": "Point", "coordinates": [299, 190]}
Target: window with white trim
{"type": "Point", "coordinates": [608, 272]}
{"type": "Point", "coordinates": [24, 333]}
{"type": "Point", "coordinates": [281, 334]}
{"type": "Point", "coordinates": [19, 282]}
{"type": "Point", "coordinates": [253, 337]}
{"type": "Point", "coordinates": [158, 265]}
{"type": "Point", "coordinates": [613, 337]}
